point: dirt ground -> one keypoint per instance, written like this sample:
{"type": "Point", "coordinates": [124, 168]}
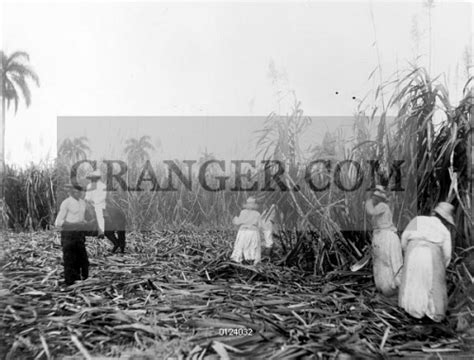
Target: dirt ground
{"type": "Point", "coordinates": [175, 295]}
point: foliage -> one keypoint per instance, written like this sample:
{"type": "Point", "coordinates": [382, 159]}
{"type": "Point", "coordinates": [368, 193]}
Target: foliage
{"type": "Point", "coordinates": [330, 225]}
{"type": "Point", "coordinates": [15, 74]}
{"type": "Point", "coordinates": [31, 197]}
{"type": "Point", "coordinates": [169, 295]}
{"type": "Point", "coordinates": [434, 168]}
{"type": "Point", "coordinates": [436, 151]}
{"type": "Point", "coordinates": [137, 150]}
{"type": "Point", "coordinates": [73, 150]}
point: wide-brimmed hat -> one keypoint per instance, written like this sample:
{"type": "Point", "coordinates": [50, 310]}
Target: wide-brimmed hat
{"type": "Point", "coordinates": [445, 210]}
{"type": "Point", "coordinates": [94, 175]}
{"type": "Point", "coordinates": [251, 204]}
{"type": "Point", "coordinates": [380, 192]}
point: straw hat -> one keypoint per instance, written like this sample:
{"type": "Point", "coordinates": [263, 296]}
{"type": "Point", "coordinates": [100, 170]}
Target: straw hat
{"type": "Point", "coordinates": [445, 210]}
{"type": "Point", "coordinates": [94, 175]}
{"type": "Point", "coordinates": [380, 192]}
{"type": "Point", "coordinates": [251, 204]}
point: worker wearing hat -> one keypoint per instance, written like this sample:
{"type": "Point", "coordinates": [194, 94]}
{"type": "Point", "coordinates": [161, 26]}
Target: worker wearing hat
{"type": "Point", "coordinates": [71, 221]}
{"type": "Point", "coordinates": [426, 242]}
{"type": "Point", "coordinates": [96, 195]}
{"type": "Point", "coordinates": [247, 246]}
{"type": "Point", "coordinates": [387, 256]}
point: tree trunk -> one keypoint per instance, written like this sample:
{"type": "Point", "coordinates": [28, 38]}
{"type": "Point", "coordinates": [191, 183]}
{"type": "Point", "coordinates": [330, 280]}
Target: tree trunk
{"type": "Point", "coordinates": [3, 215]}
{"type": "Point", "coordinates": [470, 172]}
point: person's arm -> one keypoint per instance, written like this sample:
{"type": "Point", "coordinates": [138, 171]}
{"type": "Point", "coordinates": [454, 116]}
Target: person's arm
{"type": "Point", "coordinates": [61, 215]}
{"type": "Point", "coordinates": [374, 210]}
{"type": "Point", "coordinates": [237, 220]}
{"type": "Point", "coordinates": [446, 247]}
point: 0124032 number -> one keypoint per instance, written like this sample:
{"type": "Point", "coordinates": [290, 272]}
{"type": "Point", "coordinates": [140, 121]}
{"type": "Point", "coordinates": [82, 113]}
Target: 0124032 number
{"type": "Point", "coordinates": [235, 332]}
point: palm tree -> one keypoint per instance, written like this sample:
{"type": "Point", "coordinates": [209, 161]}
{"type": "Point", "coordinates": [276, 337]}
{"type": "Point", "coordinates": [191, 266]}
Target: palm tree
{"type": "Point", "coordinates": [137, 149]}
{"type": "Point", "coordinates": [74, 150]}
{"type": "Point", "coordinates": [15, 75]}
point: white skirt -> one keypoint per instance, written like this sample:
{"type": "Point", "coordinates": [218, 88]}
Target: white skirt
{"type": "Point", "coordinates": [423, 287]}
{"type": "Point", "coordinates": [247, 246]}
{"type": "Point", "coordinates": [387, 261]}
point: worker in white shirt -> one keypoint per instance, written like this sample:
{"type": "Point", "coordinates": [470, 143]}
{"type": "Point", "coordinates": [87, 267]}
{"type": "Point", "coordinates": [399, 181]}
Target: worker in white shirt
{"type": "Point", "coordinates": [71, 221]}
{"type": "Point", "coordinates": [96, 195]}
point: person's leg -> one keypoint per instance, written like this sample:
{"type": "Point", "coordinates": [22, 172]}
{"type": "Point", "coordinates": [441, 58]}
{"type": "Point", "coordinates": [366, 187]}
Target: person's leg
{"type": "Point", "coordinates": [78, 244]}
{"type": "Point", "coordinates": [121, 240]}
{"type": "Point", "coordinates": [113, 239]}
{"type": "Point", "coordinates": [83, 260]}
{"type": "Point", "coordinates": [69, 257]}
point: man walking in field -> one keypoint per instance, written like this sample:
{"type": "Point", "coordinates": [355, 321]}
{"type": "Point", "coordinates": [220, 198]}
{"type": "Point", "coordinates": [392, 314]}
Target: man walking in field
{"type": "Point", "coordinates": [96, 195]}
{"type": "Point", "coordinates": [71, 221]}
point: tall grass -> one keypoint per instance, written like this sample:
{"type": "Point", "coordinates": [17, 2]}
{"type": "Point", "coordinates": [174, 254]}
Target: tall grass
{"type": "Point", "coordinates": [434, 151]}
{"type": "Point", "coordinates": [313, 224]}
{"type": "Point", "coordinates": [30, 197]}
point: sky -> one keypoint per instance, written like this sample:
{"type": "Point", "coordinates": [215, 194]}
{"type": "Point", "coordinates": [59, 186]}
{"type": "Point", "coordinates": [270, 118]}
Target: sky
{"type": "Point", "coordinates": [247, 59]}
{"type": "Point", "coordinates": [186, 137]}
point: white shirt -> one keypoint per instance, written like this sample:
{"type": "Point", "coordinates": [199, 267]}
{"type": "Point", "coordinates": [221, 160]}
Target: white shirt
{"type": "Point", "coordinates": [248, 219]}
{"type": "Point", "coordinates": [96, 195]}
{"type": "Point", "coordinates": [430, 229]}
{"type": "Point", "coordinates": [71, 211]}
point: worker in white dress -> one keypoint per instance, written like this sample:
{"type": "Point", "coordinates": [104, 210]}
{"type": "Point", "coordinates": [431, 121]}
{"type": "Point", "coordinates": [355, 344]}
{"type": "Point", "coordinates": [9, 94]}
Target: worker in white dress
{"type": "Point", "coordinates": [426, 242]}
{"type": "Point", "coordinates": [248, 242]}
{"type": "Point", "coordinates": [387, 256]}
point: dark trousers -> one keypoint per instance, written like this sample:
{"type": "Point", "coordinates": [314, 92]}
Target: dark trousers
{"type": "Point", "coordinates": [76, 263]}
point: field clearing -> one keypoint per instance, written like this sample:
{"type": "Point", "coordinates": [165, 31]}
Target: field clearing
{"type": "Point", "coordinates": [172, 292]}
